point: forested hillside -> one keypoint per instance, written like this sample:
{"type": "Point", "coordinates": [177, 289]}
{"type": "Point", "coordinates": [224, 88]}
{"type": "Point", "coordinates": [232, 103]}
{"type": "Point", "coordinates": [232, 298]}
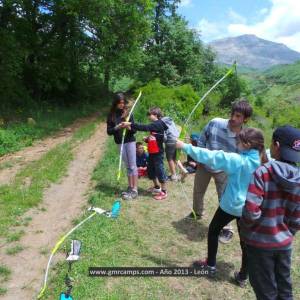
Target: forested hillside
{"type": "Point", "coordinates": [68, 51]}
{"type": "Point", "coordinates": [60, 58]}
{"type": "Point", "coordinates": [277, 93]}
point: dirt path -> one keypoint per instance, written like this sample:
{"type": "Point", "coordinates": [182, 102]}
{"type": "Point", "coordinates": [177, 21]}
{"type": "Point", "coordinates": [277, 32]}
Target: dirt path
{"type": "Point", "coordinates": [63, 202]}
{"type": "Point", "coordinates": [17, 160]}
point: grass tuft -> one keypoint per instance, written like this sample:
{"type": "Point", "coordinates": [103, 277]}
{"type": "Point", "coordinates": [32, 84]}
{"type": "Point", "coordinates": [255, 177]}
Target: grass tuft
{"type": "Point", "coordinates": [14, 250]}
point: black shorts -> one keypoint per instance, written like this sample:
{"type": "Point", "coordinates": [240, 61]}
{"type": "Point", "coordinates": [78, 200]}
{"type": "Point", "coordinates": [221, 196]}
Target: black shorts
{"type": "Point", "coordinates": [156, 167]}
{"type": "Point", "coordinates": [170, 150]}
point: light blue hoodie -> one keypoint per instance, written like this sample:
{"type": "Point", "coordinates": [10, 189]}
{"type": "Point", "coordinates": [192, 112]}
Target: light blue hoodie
{"type": "Point", "coordinates": [238, 167]}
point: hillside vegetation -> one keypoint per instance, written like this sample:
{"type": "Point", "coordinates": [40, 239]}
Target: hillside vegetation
{"type": "Point", "coordinates": [276, 93]}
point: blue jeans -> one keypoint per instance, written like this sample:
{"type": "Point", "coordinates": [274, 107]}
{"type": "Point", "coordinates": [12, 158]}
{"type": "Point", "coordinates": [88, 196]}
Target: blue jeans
{"type": "Point", "coordinates": [156, 167]}
{"type": "Point", "coordinates": [269, 273]}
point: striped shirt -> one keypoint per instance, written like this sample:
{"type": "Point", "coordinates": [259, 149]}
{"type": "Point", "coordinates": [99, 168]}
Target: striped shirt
{"type": "Point", "coordinates": [271, 215]}
{"type": "Point", "coordinates": [216, 135]}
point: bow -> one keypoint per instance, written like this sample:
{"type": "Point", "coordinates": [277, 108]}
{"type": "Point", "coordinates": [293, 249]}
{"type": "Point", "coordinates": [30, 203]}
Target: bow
{"type": "Point", "coordinates": [124, 133]}
{"type": "Point", "coordinates": [185, 126]}
{"type": "Point", "coordinates": [114, 213]}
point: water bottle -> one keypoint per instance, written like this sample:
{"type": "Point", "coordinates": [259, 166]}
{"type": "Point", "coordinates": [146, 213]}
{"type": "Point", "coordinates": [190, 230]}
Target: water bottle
{"type": "Point", "coordinates": [115, 211]}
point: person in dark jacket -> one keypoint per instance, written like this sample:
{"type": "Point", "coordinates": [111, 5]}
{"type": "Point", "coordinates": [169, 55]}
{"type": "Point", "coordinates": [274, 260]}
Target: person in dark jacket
{"type": "Point", "coordinates": [156, 170]}
{"type": "Point", "coordinates": [141, 159]}
{"type": "Point", "coordinates": [117, 115]}
{"type": "Point", "coordinates": [271, 217]}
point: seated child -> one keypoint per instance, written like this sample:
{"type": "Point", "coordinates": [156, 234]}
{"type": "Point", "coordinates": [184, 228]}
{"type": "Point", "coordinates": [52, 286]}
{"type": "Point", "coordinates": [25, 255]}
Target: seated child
{"type": "Point", "coordinates": [141, 159]}
{"type": "Point", "coordinates": [189, 166]}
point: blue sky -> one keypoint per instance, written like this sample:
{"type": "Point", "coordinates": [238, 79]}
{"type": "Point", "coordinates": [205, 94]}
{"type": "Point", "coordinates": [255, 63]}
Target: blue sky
{"type": "Point", "coordinates": [275, 20]}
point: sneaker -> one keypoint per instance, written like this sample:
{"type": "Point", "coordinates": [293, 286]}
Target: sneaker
{"type": "Point", "coordinates": [154, 190]}
{"type": "Point", "coordinates": [183, 176]}
{"type": "Point", "coordinates": [130, 195]}
{"type": "Point", "coordinates": [191, 216]}
{"type": "Point", "coordinates": [225, 236]}
{"type": "Point", "coordinates": [160, 196]}
{"type": "Point", "coordinates": [127, 196]}
{"type": "Point", "coordinates": [239, 281]}
{"type": "Point", "coordinates": [172, 178]}
{"type": "Point", "coordinates": [134, 194]}
{"type": "Point", "coordinates": [126, 192]}
{"type": "Point", "coordinates": [202, 264]}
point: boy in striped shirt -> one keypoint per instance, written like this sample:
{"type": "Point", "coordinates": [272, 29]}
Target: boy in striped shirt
{"type": "Point", "coordinates": [271, 217]}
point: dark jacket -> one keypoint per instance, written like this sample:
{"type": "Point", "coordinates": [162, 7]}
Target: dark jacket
{"type": "Point", "coordinates": [117, 133]}
{"type": "Point", "coordinates": [271, 215]}
{"type": "Point", "coordinates": [142, 160]}
{"type": "Point", "coordinates": [157, 129]}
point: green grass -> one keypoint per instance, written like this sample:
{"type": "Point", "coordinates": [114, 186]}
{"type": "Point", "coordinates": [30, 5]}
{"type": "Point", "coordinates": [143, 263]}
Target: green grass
{"type": "Point", "coordinates": [150, 233]}
{"type": "Point", "coordinates": [14, 250]}
{"type": "Point", "coordinates": [15, 236]}
{"type": "Point", "coordinates": [4, 273]}
{"type": "Point", "coordinates": [6, 165]}
{"type": "Point", "coordinates": [27, 189]}
{"type": "Point", "coordinates": [4, 276]}
{"type": "Point", "coordinates": [18, 133]}
{"type": "Point", "coordinates": [84, 132]}
{"type": "Point", "coordinates": [3, 291]}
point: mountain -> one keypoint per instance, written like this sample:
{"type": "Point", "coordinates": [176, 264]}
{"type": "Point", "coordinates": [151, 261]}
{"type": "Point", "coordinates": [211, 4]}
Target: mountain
{"type": "Point", "coordinates": [253, 52]}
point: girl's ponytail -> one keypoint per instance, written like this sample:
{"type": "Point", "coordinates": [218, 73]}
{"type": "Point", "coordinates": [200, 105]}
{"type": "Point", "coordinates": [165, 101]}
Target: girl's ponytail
{"type": "Point", "coordinates": [255, 139]}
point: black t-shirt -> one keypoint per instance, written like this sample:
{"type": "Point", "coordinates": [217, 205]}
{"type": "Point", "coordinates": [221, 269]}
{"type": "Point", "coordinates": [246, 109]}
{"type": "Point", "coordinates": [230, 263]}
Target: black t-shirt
{"type": "Point", "coordinates": [157, 129]}
{"type": "Point", "coordinates": [117, 133]}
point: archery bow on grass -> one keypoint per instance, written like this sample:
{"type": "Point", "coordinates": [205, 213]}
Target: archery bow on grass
{"type": "Point", "coordinates": [114, 213]}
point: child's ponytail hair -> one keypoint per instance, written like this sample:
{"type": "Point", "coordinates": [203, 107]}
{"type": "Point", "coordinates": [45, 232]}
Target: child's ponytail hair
{"type": "Point", "coordinates": [255, 139]}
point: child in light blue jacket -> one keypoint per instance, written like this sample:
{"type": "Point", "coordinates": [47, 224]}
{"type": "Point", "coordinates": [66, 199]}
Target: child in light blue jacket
{"type": "Point", "coordinates": [239, 168]}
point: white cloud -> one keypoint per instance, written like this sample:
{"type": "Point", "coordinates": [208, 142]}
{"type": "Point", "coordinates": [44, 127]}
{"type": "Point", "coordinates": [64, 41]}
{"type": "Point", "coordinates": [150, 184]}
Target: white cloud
{"type": "Point", "coordinates": [185, 3]}
{"type": "Point", "coordinates": [209, 30]}
{"type": "Point", "coordinates": [235, 17]}
{"type": "Point", "coordinates": [263, 11]}
{"type": "Point", "coordinates": [280, 24]}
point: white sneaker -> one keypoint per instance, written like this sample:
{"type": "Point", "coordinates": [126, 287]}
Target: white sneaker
{"type": "Point", "coordinates": [154, 190]}
{"type": "Point", "coordinates": [127, 191]}
{"type": "Point", "coordinates": [174, 177]}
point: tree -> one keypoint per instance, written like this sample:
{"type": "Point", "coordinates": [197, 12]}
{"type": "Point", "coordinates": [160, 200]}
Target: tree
{"type": "Point", "coordinates": [118, 30]}
{"type": "Point", "coordinates": [53, 49]}
{"type": "Point", "coordinates": [176, 55]}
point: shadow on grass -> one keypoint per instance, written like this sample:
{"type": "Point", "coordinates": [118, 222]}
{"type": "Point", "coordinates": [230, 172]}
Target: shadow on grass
{"type": "Point", "coordinates": [224, 269]}
{"type": "Point", "coordinates": [108, 189]}
{"type": "Point", "coordinates": [161, 261]}
{"type": "Point", "coordinates": [194, 230]}
{"type": "Point", "coordinates": [224, 272]}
